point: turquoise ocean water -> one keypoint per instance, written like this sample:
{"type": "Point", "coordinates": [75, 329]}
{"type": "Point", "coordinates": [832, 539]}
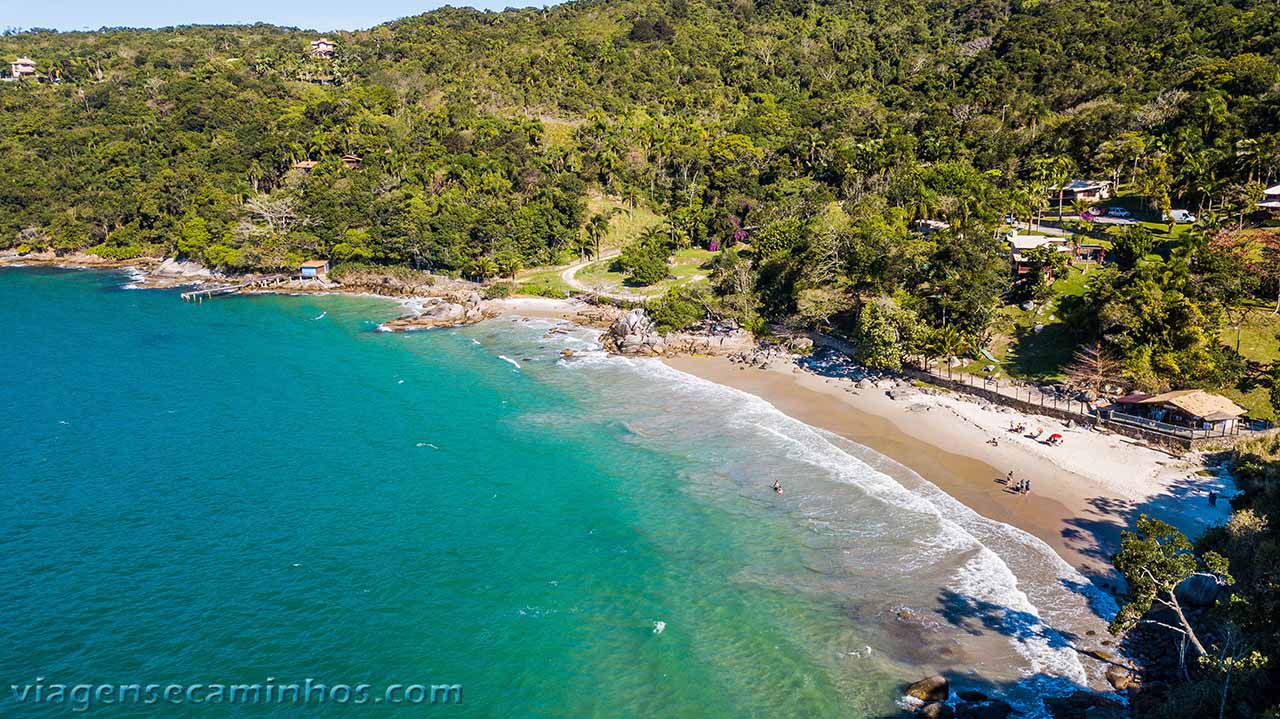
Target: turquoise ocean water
{"type": "Point", "coordinates": [265, 489]}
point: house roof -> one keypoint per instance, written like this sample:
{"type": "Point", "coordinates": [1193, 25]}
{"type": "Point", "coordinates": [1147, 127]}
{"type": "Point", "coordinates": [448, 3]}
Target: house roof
{"type": "Point", "coordinates": [1029, 242]}
{"type": "Point", "coordinates": [24, 61]}
{"type": "Point", "coordinates": [305, 164]}
{"type": "Point", "coordinates": [1195, 402]}
{"type": "Point", "coordinates": [1272, 190]}
{"type": "Point", "coordinates": [1077, 185]}
{"type": "Point", "coordinates": [322, 41]}
{"type": "Point", "coordinates": [315, 263]}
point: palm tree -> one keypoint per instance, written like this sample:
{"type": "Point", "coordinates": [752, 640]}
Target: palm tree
{"type": "Point", "coordinates": [583, 246]}
{"type": "Point", "coordinates": [598, 226]}
{"type": "Point", "coordinates": [482, 268]}
{"type": "Point", "coordinates": [948, 342]}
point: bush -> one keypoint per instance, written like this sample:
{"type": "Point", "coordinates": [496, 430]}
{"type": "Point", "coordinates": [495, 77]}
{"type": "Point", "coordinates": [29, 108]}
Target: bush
{"type": "Point", "coordinates": [499, 290]}
{"type": "Point", "coordinates": [679, 309]}
{"type": "Point", "coordinates": [117, 252]}
{"type": "Point", "coordinates": [645, 263]}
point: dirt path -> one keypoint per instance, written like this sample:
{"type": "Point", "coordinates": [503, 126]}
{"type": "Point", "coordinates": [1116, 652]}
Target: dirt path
{"type": "Point", "coordinates": [570, 276]}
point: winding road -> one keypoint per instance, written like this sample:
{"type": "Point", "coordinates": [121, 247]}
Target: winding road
{"type": "Point", "coordinates": [570, 276]}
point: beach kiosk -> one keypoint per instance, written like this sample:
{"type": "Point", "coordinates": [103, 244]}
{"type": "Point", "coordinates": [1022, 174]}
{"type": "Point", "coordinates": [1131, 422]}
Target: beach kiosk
{"type": "Point", "coordinates": [314, 268]}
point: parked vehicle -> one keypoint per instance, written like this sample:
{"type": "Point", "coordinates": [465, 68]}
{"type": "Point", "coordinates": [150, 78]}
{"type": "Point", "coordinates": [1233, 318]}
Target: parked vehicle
{"type": "Point", "coordinates": [1117, 212]}
{"type": "Point", "coordinates": [1181, 217]}
{"type": "Point", "coordinates": [1098, 211]}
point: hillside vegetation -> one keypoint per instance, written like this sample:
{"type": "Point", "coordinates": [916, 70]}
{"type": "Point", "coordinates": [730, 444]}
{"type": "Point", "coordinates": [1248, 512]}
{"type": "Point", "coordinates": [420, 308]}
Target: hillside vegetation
{"type": "Point", "coordinates": [815, 134]}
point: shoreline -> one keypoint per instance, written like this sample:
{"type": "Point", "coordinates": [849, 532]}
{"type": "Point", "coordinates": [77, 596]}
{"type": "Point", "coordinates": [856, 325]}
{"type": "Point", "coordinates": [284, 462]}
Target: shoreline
{"type": "Point", "coordinates": [1078, 505]}
{"type": "Point", "coordinates": [1082, 496]}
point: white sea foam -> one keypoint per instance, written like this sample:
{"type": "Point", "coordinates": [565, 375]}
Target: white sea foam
{"type": "Point", "coordinates": [985, 581]}
{"type": "Point", "coordinates": [508, 359]}
{"type": "Point", "coordinates": [135, 276]}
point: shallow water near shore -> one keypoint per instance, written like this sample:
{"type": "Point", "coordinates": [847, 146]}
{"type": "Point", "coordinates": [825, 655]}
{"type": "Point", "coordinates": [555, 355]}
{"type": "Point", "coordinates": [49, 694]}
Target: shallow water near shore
{"type": "Point", "coordinates": [266, 487]}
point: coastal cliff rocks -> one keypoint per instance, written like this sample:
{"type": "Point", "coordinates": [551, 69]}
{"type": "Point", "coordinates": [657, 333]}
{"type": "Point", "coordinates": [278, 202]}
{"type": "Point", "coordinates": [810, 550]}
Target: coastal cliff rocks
{"type": "Point", "coordinates": [633, 334]}
{"type": "Point", "coordinates": [930, 689]}
{"type": "Point", "coordinates": [173, 272]}
{"type": "Point", "coordinates": [453, 311]}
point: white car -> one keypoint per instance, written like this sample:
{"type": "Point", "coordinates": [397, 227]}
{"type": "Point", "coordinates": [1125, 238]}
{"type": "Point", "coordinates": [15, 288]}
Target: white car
{"type": "Point", "coordinates": [1117, 212]}
{"type": "Point", "coordinates": [1181, 217]}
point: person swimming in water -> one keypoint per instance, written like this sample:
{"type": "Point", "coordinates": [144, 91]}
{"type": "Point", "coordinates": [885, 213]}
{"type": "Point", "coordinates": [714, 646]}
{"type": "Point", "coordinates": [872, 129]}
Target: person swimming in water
{"type": "Point", "coordinates": [777, 486]}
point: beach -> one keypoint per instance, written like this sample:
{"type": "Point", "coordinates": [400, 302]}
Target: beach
{"type": "Point", "coordinates": [1083, 493]}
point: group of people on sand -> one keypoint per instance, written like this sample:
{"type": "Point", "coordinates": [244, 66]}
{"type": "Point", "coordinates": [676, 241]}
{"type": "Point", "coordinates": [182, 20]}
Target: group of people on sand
{"type": "Point", "coordinates": [1021, 486]}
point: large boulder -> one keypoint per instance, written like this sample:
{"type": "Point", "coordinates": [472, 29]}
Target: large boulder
{"type": "Point", "coordinates": [1119, 678]}
{"type": "Point", "coordinates": [930, 689]}
{"type": "Point", "coordinates": [1083, 705]}
{"type": "Point", "coordinates": [1198, 590]}
{"type": "Point", "coordinates": [935, 710]}
{"type": "Point", "coordinates": [633, 333]}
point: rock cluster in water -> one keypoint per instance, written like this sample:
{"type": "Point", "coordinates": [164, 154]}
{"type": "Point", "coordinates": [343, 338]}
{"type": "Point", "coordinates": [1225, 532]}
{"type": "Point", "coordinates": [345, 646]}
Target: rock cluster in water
{"type": "Point", "coordinates": [453, 311]}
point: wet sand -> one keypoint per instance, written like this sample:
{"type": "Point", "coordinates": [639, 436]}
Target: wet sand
{"type": "Point", "coordinates": [1079, 518]}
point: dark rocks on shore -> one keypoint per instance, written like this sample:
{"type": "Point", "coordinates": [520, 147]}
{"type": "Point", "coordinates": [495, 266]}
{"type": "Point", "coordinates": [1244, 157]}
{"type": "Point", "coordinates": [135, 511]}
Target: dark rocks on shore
{"type": "Point", "coordinates": [1119, 678]}
{"type": "Point", "coordinates": [633, 334]}
{"type": "Point", "coordinates": [936, 710]}
{"type": "Point", "coordinates": [1084, 705]}
{"type": "Point", "coordinates": [930, 689]}
{"type": "Point", "coordinates": [1198, 590]}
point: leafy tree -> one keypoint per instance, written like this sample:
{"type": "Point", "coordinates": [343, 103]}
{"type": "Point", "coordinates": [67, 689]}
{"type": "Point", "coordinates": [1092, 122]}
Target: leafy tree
{"type": "Point", "coordinates": [1154, 561]}
{"type": "Point", "coordinates": [644, 262]}
{"type": "Point", "coordinates": [1131, 244]}
{"type": "Point", "coordinates": [679, 309]}
{"type": "Point", "coordinates": [509, 263]}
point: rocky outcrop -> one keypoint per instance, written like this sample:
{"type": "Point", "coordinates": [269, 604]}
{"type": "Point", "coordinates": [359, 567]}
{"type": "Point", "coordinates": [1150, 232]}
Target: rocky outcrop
{"type": "Point", "coordinates": [1083, 705]}
{"type": "Point", "coordinates": [1198, 590]}
{"type": "Point", "coordinates": [633, 334]}
{"type": "Point", "coordinates": [454, 311]}
{"type": "Point", "coordinates": [930, 689]}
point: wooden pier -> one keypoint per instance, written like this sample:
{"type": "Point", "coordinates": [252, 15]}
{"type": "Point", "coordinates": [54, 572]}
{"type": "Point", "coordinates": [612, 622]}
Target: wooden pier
{"type": "Point", "coordinates": [210, 292]}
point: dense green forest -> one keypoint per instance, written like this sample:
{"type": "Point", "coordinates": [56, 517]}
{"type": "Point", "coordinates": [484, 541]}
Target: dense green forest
{"type": "Point", "coordinates": [801, 141]}
{"type": "Point", "coordinates": [811, 134]}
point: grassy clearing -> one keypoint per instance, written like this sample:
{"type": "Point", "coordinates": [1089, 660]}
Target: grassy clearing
{"type": "Point", "coordinates": [627, 222]}
{"type": "Point", "coordinates": [544, 283]}
{"type": "Point", "coordinates": [1024, 353]}
{"type": "Point", "coordinates": [686, 267]}
{"type": "Point", "coordinates": [1259, 344]}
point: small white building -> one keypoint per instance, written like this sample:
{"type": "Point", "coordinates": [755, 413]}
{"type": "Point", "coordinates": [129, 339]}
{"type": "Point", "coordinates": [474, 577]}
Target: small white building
{"type": "Point", "coordinates": [1086, 190]}
{"type": "Point", "coordinates": [22, 67]}
{"type": "Point", "coordinates": [314, 268]}
{"type": "Point", "coordinates": [322, 48]}
{"type": "Point", "coordinates": [928, 227]}
{"type": "Point", "coordinates": [1270, 198]}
